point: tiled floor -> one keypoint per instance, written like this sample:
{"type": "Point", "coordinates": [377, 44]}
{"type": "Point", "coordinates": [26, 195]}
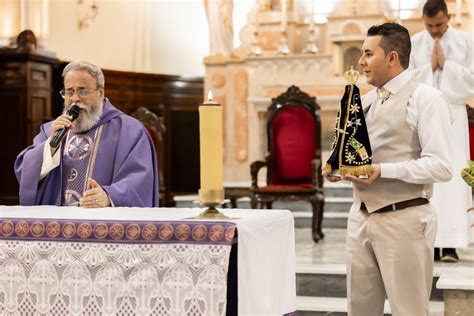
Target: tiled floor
{"type": "Point", "coordinates": [331, 250]}
{"type": "Point", "coordinates": [328, 258]}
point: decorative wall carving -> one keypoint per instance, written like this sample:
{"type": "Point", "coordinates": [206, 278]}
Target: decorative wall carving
{"type": "Point", "coordinates": [218, 81]}
{"type": "Point", "coordinates": [240, 116]}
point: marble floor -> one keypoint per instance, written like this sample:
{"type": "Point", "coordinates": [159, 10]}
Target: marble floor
{"type": "Point", "coordinates": [326, 262]}
{"type": "Point", "coordinates": [331, 250]}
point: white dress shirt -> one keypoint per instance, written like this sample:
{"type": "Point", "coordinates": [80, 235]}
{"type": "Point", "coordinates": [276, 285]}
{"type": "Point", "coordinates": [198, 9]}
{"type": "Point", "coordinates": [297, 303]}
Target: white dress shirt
{"type": "Point", "coordinates": [428, 113]}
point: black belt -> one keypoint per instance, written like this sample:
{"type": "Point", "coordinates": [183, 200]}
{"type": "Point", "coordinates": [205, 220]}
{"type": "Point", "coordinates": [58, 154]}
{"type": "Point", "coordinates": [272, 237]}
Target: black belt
{"type": "Point", "coordinates": [398, 206]}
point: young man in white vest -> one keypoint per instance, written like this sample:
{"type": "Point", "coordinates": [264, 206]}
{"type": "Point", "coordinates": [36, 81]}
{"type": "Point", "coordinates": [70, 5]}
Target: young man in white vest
{"type": "Point", "coordinates": [392, 226]}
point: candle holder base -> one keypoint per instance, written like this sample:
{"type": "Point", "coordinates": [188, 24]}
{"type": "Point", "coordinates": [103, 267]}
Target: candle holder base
{"type": "Point", "coordinates": [211, 199]}
{"type": "Point", "coordinates": [211, 213]}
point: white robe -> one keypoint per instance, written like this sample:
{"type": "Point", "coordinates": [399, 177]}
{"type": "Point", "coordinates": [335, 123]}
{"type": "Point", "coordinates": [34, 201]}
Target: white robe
{"type": "Point", "coordinates": [456, 81]}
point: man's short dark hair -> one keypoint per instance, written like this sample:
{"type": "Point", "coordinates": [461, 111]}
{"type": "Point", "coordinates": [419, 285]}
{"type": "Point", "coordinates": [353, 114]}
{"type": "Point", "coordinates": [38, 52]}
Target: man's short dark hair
{"type": "Point", "coordinates": [394, 38]}
{"type": "Point", "coordinates": [432, 8]}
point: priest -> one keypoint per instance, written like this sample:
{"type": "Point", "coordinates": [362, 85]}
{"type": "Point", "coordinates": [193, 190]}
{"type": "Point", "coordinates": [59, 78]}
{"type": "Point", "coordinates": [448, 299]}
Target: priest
{"type": "Point", "coordinates": [442, 57]}
{"type": "Point", "coordinates": [105, 158]}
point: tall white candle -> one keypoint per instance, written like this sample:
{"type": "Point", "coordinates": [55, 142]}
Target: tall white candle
{"type": "Point", "coordinates": [210, 137]}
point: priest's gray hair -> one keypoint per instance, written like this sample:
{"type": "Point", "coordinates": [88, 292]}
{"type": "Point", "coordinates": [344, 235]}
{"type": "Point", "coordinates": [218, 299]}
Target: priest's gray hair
{"type": "Point", "coordinates": [92, 69]}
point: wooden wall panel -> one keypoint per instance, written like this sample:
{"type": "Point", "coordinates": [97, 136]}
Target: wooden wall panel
{"type": "Point", "coordinates": [25, 94]}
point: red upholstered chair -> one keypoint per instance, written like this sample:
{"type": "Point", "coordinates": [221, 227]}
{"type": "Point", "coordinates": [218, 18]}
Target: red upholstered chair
{"type": "Point", "coordinates": [156, 128]}
{"type": "Point", "coordinates": [470, 116]}
{"type": "Point", "coordinates": [294, 155]}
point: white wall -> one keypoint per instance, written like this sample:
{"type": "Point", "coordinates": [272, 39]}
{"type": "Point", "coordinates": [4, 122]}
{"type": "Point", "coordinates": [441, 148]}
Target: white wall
{"type": "Point", "coordinates": [157, 36]}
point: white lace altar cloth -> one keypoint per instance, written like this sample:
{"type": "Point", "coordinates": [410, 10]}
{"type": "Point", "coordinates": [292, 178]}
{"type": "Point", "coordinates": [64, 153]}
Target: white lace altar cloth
{"type": "Point", "coordinates": [266, 251]}
{"type": "Point", "coordinates": [176, 271]}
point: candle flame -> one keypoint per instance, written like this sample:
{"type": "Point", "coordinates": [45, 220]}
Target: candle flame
{"type": "Point", "coordinates": [209, 95]}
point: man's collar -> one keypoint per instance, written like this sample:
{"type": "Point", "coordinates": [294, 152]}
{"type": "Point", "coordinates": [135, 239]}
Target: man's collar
{"type": "Point", "coordinates": [396, 83]}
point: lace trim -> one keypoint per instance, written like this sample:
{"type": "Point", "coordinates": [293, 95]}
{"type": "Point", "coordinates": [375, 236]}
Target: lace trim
{"type": "Point", "coordinates": [82, 278]}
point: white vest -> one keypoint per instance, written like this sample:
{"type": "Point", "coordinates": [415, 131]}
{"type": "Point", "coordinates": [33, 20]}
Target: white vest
{"type": "Point", "coordinates": [392, 140]}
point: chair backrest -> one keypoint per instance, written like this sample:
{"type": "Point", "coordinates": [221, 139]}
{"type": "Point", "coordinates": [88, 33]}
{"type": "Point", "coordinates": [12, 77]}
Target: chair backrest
{"type": "Point", "coordinates": [294, 138]}
{"type": "Point", "coordinates": [470, 117]}
{"type": "Point", "coordinates": [156, 128]}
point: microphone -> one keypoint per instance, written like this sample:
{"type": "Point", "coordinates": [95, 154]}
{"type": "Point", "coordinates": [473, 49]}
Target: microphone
{"type": "Point", "coordinates": [73, 111]}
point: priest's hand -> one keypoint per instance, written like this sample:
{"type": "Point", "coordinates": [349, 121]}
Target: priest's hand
{"type": "Point", "coordinates": [94, 197]}
{"type": "Point", "coordinates": [368, 181]}
{"type": "Point", "coordinates": [62, 121]}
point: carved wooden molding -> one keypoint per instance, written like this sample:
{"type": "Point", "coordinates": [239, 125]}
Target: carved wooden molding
{"type": "Point", "coordinates": [294, 94]}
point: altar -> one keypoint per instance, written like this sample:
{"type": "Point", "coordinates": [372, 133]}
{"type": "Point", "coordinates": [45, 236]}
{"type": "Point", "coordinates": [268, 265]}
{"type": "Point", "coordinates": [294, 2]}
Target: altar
{"type": "Point", "coordinates": [145, 261]}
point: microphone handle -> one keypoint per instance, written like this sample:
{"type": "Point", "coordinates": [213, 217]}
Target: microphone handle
{"type": "Point", "coordinates": [58, 137]}
{"type": "Point", "coordinates": [74, 113]}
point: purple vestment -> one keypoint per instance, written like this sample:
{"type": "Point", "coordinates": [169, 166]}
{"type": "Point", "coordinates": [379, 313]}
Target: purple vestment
{"type": "Point", "coordinates": [125, 166]}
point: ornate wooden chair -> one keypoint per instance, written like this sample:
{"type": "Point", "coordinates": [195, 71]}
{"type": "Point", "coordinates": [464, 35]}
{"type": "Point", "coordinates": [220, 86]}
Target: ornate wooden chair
{"type": "Point", "coordinates": [155, 126]}
{"type": "Point", "coordinates": [294, 156]}
{"type": "Point", "coordinates": [470, 117]}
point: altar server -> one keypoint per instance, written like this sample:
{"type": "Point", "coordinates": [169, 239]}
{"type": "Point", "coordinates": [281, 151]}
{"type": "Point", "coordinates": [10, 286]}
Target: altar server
{"type": "Point", "coordinates": [442, 57]}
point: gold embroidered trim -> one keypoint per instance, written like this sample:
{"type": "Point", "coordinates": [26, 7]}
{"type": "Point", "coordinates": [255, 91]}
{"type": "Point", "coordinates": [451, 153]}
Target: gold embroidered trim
{"type": "Point", "coordinates": [327, 168]}
{"type": "Point", "coordinates": [349, 100]}
{"type": "Point", "coordinates": [90, 167]}
{"type": "Point", "coordinates": [355, 170]}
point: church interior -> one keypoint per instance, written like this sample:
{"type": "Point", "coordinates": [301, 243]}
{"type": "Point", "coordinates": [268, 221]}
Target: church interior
{"type": "Point", "coordinates": [161, 58]}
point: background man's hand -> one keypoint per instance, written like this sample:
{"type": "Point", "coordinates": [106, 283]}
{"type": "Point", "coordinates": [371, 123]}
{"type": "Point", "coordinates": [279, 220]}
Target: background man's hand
{"type": "Point", "coordinates": [434, 56]}
{"type": "Point", "coordinates": [440, 54]}
{"type": "Point", "coordinates": [94, 197]}
{"type": "Point", "coordinates": [374, 175]}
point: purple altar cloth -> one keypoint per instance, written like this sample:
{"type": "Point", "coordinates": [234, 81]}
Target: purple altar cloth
{"type": "Point", "coordinates": [118, 231]}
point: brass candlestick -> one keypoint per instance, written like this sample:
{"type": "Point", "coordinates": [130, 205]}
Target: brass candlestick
{"type": "Point", "coordinates": [211, 199]}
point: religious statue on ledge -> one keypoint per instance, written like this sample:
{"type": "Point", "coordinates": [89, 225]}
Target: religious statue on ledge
{"type": "Point", "coordinates": [219, 17]}
{"type": "Point", "coordinates": [351, 153]}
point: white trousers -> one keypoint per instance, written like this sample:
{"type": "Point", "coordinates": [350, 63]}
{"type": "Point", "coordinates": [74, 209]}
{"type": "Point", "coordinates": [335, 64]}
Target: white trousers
{"type": "Point", "coordinates": [390, 254]}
